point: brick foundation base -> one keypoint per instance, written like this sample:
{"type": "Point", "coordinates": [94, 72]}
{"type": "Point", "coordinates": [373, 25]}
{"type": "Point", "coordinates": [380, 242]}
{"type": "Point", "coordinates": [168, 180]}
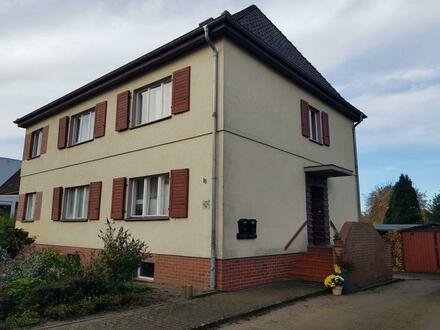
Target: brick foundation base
{"type": "Point", "coordinates": [239, 273]}
{"type": "Point", "coordinates": [232, 274]}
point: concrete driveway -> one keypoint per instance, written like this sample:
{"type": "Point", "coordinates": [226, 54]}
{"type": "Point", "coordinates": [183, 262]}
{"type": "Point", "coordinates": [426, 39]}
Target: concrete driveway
{"type": "Point", "coordinates": [410, 304]}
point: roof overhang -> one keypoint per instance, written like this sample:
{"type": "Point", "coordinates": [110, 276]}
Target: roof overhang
{"type": "Point", "coordinates": [328, 171]}
{"type": "Point", "coordinates": [225, 26]}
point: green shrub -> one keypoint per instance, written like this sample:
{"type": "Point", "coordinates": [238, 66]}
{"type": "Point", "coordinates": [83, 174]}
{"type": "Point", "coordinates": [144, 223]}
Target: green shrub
{"type": "Point", "coordinates": [49, 284]}
{"type": "Point", "coordinates": [122, 254]}
{"type": "Point", "coordinates": [49, 265]}
{"type": "Point", "coordinates": [13, 239]}
{"type": "Point", "coordinates": [24, 319]}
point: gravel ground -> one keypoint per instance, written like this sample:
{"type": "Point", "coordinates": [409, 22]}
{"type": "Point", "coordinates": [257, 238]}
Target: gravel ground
{"type": "Point", "coordinates": [410, 304]}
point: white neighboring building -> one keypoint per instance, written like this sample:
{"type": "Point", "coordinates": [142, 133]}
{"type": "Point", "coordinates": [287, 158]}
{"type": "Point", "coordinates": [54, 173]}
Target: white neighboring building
{"type": "Point", "coordinates": [9, 185]}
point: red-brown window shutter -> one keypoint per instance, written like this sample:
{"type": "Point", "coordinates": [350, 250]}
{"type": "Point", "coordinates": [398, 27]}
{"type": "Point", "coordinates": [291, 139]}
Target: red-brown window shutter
{"type": "Point", "coordinates": [56, 203]}
{"type": "Point", "coordinates": [181, 90]}
{"type": "Point", "coordinates": [325, 129]}
{"type": "Point", "coordinates": [122, 111]}
{"type": "Point", "coordinates": [179, 183]}
{"type": "Point", "coordinates": [118, 198]}
{"type": "Point", "coordinates": [27, 146]}
{"type": "Point", "coordinates": [38, 201]}
{"type": "Point", "coordinates": [62, 132]}
{"type": "Point", "coordinates": [44, 139]}
{"type": "Point", "coordinates": [305, 128]}
{"type": "Point", "coordinates": [100, 116]}
{"type": "Point", "coordinates": [21, 207]}
{"type": "Point", "coordinates": [94, 200]}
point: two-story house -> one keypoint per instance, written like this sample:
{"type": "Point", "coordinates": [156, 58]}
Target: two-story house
{"type": "Point", "coordinates": [227, 122]}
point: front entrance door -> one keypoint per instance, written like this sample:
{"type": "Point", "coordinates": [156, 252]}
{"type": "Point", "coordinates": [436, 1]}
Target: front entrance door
{"type": "Point", "coordinates": [318, 216]}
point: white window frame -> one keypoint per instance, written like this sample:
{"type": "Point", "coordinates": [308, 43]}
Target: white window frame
{"type": "Point", "coordinates": [139, 114]}
{"type": "Point", "coordinates": [315, 125]}
{"type": "Point", "coordinates": [37, 137]}
{"type": "Point", "coordinates": [162, 200]}
{"type": "Point", "coordinates": [67, 197]}
{"type": "Point", "coordinates": [79, 134]}
{"type": "Point", "coordinates": [146, 278]}
{"type": "Point", "coordinates": [30, 206]}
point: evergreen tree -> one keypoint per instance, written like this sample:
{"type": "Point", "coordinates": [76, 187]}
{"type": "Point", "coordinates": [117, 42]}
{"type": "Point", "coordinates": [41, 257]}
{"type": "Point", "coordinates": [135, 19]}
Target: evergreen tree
{"type": "Point", "coordinates": [404, 206]}
{"type": "Point", "coordinates": [434, 209]}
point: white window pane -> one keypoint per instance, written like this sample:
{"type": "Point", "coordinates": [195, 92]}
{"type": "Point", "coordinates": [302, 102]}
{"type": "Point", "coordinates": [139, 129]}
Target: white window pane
{"type": "Point", "coordinates": [166, 100]}
{"type": "Point", "coordinates": [75, 129]}
{"type": "Point", "coordinates": [36, 143]}
{"type": "Point", "coordinates": [70, 197]}
{"type": "Point", "coordinates": [138, 194]}
{"type": "Point", "coordinates": [79, 203]}
{"type": "Point", "coordinates": [152, 195]}
{"type": "Point", "coordinates": [85, 202]}
{"type": "Point", "coordinates": [143, 102]}
{"type": "Point", "coordinates": [30, 206]}
{"type": "Point", "coordinates": [155, 103]}
{"type": "Point", "coordinates": [85, 124]}
{"type": "Point", "coordinates": [165, 195]}
{"type": "Point", "coordinates": [76, 202]}
{"type": "Point", "coordinates": [82, 127]}
{"type": "Point", "coordinates": [91, 125]}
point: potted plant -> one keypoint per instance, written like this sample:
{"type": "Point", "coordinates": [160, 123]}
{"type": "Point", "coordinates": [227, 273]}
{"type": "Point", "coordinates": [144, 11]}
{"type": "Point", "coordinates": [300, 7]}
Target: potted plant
{"type": "Point", "coordinates": [335, 281]}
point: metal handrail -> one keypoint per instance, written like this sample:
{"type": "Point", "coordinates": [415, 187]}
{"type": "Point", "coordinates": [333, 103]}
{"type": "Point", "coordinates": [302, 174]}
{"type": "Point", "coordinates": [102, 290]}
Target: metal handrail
{"type": "Point", "coordinates": [295, 235]}
{"type": "Point", "coordinates": [335, 230]}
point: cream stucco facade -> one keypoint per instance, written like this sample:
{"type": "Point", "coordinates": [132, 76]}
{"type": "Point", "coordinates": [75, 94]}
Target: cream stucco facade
{"type": "Point", "coordinates": [261, 160]}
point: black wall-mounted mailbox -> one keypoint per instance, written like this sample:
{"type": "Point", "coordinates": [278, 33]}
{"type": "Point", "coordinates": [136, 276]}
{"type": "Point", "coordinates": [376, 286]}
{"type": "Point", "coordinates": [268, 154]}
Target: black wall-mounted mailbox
{"type": "Point", "coordinates": [247, 229]}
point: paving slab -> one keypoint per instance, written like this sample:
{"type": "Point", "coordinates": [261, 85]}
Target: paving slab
{"type": "Point", "coordinates": [200, 312]}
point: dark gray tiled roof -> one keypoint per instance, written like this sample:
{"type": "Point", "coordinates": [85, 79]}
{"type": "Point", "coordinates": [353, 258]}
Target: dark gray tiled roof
{"type": "Point", "coordinates": [254, 21]}
{"type": "Point", "coordinates": [12, 185]}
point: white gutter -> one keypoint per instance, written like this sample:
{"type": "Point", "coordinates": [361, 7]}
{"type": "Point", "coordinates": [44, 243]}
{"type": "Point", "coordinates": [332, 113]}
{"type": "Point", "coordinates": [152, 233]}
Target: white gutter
{"type": "Point", "coordinates": [214, 161]}
{"type": "Point", "coordinates": [356, 167]}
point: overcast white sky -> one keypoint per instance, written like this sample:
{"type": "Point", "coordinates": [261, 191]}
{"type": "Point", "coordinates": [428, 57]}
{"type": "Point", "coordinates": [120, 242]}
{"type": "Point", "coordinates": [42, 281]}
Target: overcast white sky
{"type": "Point", "coordinates": [383, 56]}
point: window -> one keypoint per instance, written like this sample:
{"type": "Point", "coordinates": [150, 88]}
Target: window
{"type": "Point", "coordinates": [37, 136]}
{"type": "Point", "coordinates": [76, 201]}
{"type": "Point", "coordinates": [153, 103]}
{"type": "Point", "coordinates": [315, 125]}
{"type": "Point", "coordinates": [149, 196]}
{"type": "Point", "coordinates": [30, 206]}
{"type": "Point", "coordinates": [146, 271]}
{"type": "Point", "coordinates": [5, 211]}
{"type": "Point", "coordinates": [82, 127]}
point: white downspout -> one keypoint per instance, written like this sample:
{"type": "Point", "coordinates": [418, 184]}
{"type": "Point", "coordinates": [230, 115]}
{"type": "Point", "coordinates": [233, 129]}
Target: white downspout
{"type": "Point", "coordinates": [214, 162]}
{"type": "Point", "coordinates": [356, 167]}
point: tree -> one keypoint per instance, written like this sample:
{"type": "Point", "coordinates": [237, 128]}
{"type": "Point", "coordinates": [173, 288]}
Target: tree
{"type": "Point", "coordinates": [378, 200]}
{"type": "Point", "coordinates": [404, 206]}
{"type": "Point", "coordinates": [434, 209]}
{"type": "Point", "coordinates": [377, 203]}
{"type": "Point", "coordinates": [12, 239]}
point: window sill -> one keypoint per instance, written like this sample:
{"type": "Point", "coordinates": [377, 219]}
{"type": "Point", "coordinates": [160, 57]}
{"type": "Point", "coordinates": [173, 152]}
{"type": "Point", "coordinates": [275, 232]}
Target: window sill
{"type": "Point", "coordinates": [144, 279]}
{"type": "Point", "coordinates": [34, 157]}
{"type": "Point", "coordinates": [79, 143]}
{"type": "Point", "coordinates": [151, 122]}
{"type": "Point", "coordinates": [28, 221]}
{"type": "Point", "coordinates": [149, 218]}
{"type": "Point", "coordinates": [317, 142]}
{"type": "Point", "coordinates": [74, 220]}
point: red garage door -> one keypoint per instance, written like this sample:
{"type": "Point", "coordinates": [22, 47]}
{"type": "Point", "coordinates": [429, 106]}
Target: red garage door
{"type": "Point", "coordinates": [420, 251]}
